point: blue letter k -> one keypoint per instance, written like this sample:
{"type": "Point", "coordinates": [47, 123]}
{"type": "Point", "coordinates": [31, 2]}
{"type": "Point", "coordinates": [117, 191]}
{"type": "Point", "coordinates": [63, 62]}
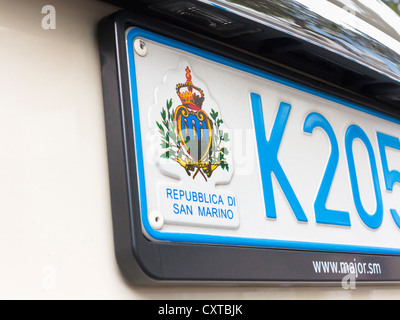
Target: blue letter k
{"type": "Point", "coordinates": [268, 158]}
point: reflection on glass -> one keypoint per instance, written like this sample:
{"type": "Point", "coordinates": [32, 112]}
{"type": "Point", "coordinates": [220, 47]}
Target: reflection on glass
{"type": "Point", "coordinates": [364, 30]}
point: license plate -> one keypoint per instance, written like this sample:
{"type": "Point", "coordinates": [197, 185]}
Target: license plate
{"type": "Point", "coordinates": [230, 155]}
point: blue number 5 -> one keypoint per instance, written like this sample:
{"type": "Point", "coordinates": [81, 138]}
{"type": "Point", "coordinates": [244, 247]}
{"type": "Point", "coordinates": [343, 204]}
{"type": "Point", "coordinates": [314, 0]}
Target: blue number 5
{"type": "Point", "coordinates": [322, 214]}
{"type": "Point", "coordinates": [391, 177]}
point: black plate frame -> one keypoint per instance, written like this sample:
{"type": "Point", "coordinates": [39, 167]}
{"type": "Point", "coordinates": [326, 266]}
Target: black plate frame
{"type": "Point", "coordinates": [143, 262]}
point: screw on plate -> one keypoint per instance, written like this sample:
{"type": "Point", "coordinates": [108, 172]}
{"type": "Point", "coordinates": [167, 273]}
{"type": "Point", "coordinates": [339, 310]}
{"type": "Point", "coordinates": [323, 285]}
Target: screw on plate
{"type": "Point", "coordinates": [156, 220]}
{"type": "Point", "coordinates": [140, 47]}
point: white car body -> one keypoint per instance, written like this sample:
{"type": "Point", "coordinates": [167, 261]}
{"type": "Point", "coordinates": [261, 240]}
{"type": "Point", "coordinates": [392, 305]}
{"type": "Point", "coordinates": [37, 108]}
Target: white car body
{"type": "Point", "coordinates": [55, 211]}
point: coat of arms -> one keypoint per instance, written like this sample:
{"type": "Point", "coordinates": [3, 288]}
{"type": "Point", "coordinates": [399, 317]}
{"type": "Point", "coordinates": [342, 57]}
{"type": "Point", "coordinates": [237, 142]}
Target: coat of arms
{"type": "Point", "coordinates": [190, 136]}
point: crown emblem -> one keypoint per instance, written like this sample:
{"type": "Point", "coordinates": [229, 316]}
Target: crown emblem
{"type": "Point", "coordinates": [191, 96]}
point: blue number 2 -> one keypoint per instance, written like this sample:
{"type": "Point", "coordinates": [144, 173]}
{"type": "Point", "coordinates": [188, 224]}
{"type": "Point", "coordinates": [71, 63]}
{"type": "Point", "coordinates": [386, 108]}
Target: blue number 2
{"type": "Point", "coordinates": [322, 214]}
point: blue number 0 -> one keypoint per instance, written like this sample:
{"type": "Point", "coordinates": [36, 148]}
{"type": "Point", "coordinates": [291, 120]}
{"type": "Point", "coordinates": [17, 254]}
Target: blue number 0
{"type": "Point", "coordinates": [322, 214]}
{"type": "Point", "coordinates": [375, 220]}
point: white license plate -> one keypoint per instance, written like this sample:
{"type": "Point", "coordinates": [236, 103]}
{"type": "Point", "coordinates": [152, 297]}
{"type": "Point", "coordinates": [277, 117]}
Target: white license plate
{"type": "Point", "coordinates": [230, 155]}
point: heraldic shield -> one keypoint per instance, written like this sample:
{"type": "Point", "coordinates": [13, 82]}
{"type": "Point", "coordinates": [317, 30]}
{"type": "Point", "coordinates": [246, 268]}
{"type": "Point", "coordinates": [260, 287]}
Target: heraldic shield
{"type": "Point", "coordinates": [194, 128]}
{"type": "Point", "coordinates": [190, 136]}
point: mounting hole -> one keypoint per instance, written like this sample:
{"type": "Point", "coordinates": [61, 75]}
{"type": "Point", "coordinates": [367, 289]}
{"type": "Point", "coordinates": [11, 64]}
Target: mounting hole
{"type": "Point", "coordinates": [140, 47]}
{"type": "Point", "coordinates": [156, 220]}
